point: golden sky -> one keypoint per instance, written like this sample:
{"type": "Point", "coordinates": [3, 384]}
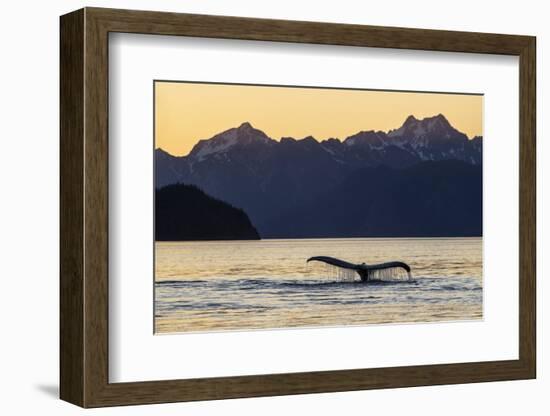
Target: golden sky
{"type": "Point", "coordinates": [188, 112]}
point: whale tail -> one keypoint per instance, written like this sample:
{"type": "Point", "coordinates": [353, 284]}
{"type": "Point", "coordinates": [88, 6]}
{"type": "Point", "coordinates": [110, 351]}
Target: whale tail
{"type": "Point", "coordinates": [389, 271]}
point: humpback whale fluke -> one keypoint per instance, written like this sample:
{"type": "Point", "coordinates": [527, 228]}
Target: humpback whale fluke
{"type": "Point", "coordinates": [367, 272]}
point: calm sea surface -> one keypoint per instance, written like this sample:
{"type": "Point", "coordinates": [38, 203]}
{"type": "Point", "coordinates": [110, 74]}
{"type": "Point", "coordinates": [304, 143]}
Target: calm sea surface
{"type": "Point", "coordinates": [238, 285]}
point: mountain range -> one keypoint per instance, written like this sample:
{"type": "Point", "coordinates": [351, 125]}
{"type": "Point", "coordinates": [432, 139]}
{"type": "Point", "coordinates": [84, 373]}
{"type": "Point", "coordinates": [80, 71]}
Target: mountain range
{"type": "Point", "coordinates": [285, 184]}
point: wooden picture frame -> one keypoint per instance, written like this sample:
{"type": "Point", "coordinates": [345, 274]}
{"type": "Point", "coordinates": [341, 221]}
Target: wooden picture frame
{"type": "Point", "coordinates": [84, 207]}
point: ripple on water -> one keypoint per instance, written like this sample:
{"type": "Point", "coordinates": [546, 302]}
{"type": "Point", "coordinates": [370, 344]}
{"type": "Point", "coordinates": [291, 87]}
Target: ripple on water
{"type": "Point", "coordinates": [197, 290]}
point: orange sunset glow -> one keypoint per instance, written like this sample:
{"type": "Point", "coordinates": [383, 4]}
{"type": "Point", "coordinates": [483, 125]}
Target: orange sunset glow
{"type": "Point", "coordinates": [188, 112]}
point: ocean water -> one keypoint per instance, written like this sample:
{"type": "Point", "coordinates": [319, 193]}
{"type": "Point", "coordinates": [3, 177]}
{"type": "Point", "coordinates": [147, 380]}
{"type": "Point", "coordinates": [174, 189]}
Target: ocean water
{"type": "Point", "coordinates": [243, 285]}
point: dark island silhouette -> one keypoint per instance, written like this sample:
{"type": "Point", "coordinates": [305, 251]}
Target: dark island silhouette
{"type": "Point", "coordinates": [185, 213]}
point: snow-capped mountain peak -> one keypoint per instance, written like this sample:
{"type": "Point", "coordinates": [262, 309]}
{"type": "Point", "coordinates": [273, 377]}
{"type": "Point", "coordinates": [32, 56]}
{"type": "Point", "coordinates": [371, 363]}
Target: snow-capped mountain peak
{"type": "Point", "coordinates": [252, 153]}
{"type": "Point", "coordinates": [430, 138]}
{"type": "Point", "coordinates": [413, 127]}
{"type": "Point", "coordinates": [245, 134]}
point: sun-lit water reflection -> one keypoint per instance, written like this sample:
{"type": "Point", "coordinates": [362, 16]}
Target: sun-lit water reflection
{"type": "Point", "coordinates": [230, 285]}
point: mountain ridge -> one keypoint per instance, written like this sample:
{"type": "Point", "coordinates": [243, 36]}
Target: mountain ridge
{"type": "Point", "coordinates": [431, 138]}
{"type": "Point", "coordinates": [245, 129]}
{"type": "Point", "coordinates": [246, 168]}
